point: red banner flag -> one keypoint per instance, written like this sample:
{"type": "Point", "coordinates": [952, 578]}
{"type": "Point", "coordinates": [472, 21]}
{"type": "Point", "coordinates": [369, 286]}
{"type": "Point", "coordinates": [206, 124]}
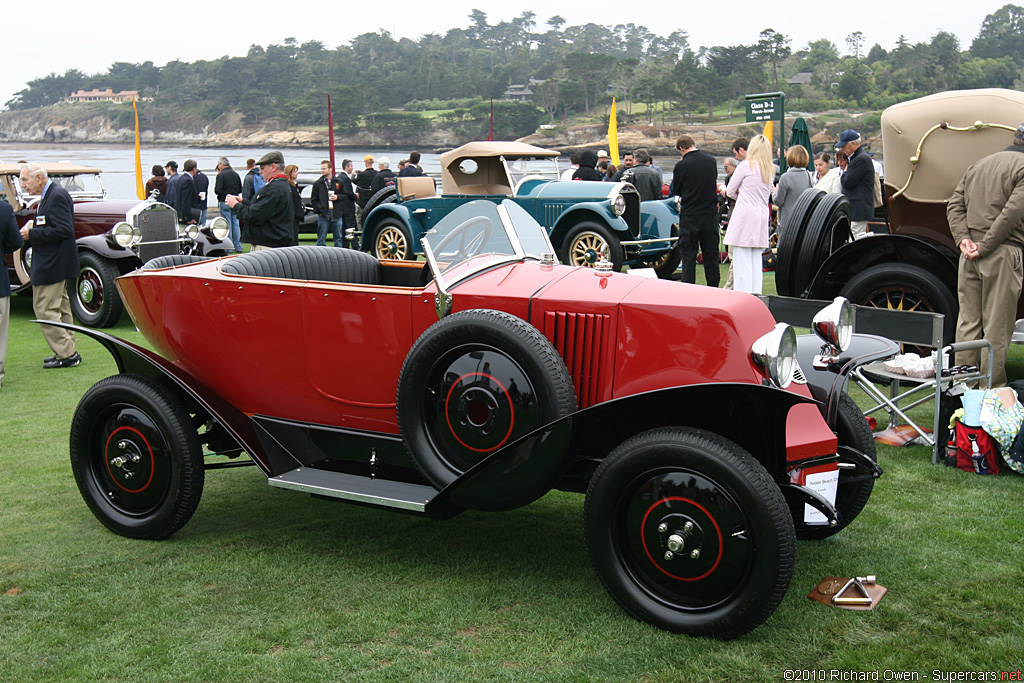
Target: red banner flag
{"type": "Point", "coordinates": [330, 131]}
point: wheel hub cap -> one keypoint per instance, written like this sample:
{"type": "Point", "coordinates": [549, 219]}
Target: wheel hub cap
{"type": "Point", "coordinates": [85, 291]}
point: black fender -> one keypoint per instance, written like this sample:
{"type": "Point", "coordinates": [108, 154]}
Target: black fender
{"type": "Point", "coordinates": [133, 359]}
{"type": "Point", "coordinates": [753, 416]}
{"type": "Point", "coordinates": [826, 383]}
{"type": "Point", "coordinates": [126, 260]}
{"type": "Point", "coordinates": [855, 256]}
{"type": "Point", "coordinates": [204, 244]}
{"type": "Point", "coordinates": [797, 496]}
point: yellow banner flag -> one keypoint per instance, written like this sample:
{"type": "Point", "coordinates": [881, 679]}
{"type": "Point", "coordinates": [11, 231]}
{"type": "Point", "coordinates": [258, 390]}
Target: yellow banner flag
{"type": "Point", "coordinates": [613, 136]}
{"type": "Point", "coordinates": [140, 188]}
{"type": "Point", "coordinates": [769, 130]}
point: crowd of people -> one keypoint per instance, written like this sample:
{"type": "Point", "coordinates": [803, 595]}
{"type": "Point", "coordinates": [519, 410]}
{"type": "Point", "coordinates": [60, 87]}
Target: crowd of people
{"type": "Point", "coordinates": [268, 218]}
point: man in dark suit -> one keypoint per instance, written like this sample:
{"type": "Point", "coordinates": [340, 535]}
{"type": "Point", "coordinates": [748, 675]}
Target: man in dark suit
{"type": "Point", "coordinates": [186, 202]}
{"type": "Point", "coordinates": [10, 241]}
{"type": "Point", "coordinates": [54, 261]}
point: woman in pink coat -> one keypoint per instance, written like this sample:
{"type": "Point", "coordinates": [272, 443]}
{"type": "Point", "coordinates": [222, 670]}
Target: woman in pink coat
{"type": "Point", "coordinates": [751, 187]}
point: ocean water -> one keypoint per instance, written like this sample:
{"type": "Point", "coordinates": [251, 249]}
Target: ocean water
{"type": "Point", "coordinates": [118, 161]}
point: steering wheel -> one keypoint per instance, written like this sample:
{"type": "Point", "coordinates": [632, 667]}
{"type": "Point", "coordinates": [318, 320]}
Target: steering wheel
{"type": "Point", "coordinates": [469, 245]}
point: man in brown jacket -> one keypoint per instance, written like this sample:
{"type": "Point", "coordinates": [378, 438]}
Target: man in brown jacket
{"type": "Point", "coordinates": [986, 218]}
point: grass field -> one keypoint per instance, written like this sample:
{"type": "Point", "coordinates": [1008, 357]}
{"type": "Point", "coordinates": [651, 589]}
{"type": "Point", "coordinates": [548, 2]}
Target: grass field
{"type": "Point", "coordinates": [270, 585]}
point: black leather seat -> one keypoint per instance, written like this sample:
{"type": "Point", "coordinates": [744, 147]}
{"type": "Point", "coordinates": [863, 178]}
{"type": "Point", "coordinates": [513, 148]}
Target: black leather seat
{"type": "Point", "coordinates": [173, 260]}
{"type": "Point", "coordinates": [323, 264]}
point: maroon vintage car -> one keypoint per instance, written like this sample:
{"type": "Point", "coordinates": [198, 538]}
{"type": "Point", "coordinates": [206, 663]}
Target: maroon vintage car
{"type": "Point", "coordinates": [114, 237]}
{"type": "Point", "coordinates": [681, 411]}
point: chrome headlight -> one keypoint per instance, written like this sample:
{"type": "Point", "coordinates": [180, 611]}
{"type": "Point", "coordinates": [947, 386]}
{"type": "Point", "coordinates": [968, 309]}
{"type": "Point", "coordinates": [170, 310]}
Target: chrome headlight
{"type": "Point", "coordinates": [775, 355]}
{"type": "Point", "coordinates": [192, 230]}
{"type": "Point", "coordinates": [619, 205]}
{"type": "Point", "coordinates": [834, 324]}
{"type": "Point", "coordinates": [219, 228]}
{"type": "Point", "coordinates": [126, 234]}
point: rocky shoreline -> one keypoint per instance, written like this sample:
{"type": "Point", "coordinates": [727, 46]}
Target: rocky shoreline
{"type": "Point", "coordinates": [59, 127]}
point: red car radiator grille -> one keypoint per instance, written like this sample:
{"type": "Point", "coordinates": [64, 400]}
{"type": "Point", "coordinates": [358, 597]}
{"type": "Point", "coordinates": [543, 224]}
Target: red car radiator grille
{"type": "Point", "coordinates": [580, 338]}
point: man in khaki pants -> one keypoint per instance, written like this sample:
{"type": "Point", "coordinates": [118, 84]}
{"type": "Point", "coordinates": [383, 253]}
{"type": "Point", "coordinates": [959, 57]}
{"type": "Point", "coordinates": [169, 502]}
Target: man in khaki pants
{"type": "Point", "coordinates": [986, 218]}
{"type": "Point", "coordinates": [54, 261]}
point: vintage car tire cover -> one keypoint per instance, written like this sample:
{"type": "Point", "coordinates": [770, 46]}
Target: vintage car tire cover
{"type": "Point", "coordinates": [428, 405]}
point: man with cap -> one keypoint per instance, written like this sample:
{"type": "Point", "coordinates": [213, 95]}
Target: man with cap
{"type": "Point", "coordinates": [986, 219]}
{"type": "Point", "coordinates": [858, 182]}
{"type": "Point", "coordinates": [270, 215]}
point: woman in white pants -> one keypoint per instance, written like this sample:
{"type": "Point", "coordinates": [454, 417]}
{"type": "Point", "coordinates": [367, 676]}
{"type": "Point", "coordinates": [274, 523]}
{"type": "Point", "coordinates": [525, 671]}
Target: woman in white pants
{"type": "Point", "coordinates": [751, 187]}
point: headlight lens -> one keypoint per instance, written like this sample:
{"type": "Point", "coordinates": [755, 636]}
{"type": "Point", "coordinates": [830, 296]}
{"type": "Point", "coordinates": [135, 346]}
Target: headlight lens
{"type": "Point", "coordinates": [219, 228]}
{"type": "Point", "coordinates": [619, 205]}
{"type": "Point", "coordinates": [192, 230]}
{"type": "Point", "coordinates": [834, 323]}
{"type": "Point", "coordinates": [775, 354]}
{"type": "Point", "coordinates": [125, 234]}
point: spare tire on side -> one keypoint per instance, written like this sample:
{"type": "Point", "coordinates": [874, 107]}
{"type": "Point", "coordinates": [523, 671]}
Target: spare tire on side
{"type": "Point", "coordinates": [472, 383]}
{"type": "Point", "coordinates": [790, 240]}
{"type": "Point", "coordinates": [385, 195]}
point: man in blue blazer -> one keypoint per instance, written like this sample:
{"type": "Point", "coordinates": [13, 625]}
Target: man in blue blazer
{"type": "Point", "coordinates": [54, 261]}
{"type": "Point", "coordinates": [10, 241]}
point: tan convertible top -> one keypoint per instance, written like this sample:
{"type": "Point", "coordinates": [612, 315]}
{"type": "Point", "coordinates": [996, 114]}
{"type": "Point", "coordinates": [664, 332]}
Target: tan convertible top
{"type": "Point", "coordinates": [945, 154]}
{"type": "Point", "coordinates": [490, 177]}
{"type": "Point", "coordinates": [58, 169]}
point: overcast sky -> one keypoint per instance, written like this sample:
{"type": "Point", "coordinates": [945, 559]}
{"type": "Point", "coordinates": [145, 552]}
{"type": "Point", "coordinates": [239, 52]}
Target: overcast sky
{"type": "Point", "coordinates": [61, 34]}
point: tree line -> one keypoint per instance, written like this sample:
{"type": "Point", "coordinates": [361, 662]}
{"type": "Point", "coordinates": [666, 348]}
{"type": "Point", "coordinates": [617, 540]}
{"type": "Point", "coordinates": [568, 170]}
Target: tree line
{"type": "Point", "coordinates": [574, 71]}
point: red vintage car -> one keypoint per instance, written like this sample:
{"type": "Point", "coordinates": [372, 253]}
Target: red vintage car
{"type": "Point", "coordinates": [482, 379]}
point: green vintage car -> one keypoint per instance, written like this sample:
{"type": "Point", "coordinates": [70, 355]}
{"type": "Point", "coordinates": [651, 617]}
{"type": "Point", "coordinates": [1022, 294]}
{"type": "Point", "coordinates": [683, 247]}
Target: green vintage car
{"type": "Point", "coordinates": [584, 219]}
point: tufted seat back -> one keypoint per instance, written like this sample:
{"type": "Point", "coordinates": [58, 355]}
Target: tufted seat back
{"type": "Point", "coordinates": [173, 260]}
{"type": "Point", "coordinates": [323, 264]}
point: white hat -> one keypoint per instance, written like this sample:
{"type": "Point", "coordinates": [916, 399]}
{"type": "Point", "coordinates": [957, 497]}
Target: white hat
{"type": "Point", "coordinates": [602, 153]}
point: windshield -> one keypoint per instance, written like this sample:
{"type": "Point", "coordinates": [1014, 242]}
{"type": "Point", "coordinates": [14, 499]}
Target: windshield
{"type": "Point", "coordinates": [480, 234]}
{"type": "Point", "coordinates": [545, 167]}
{"type": "Point", "coordinates": [78, 185]}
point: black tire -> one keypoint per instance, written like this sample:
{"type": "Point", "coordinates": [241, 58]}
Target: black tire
{"type": "Point", "coordinates": [904, 287]}
{"type": "Point", "coordinates": [666, 264]}
{"type": "Point", "coordinates": [391, 241]}
{"type": "Point", "coordinates": [658, 482]}
{"type": "Point", "coordinates": [583, 244]}
{"type": "Point", "coordinates": [95, 300]}
{"type": "Point", "coordinates": [851, 496]}
{"type": "Point", "coordinates": [385, 195]}
{"type": "Point", "coordinates": [791, 239]}
{"type": "Point", "coordinates": [140, 420]}
{"type": "Point", "coordinates": [827, 229]}
{"type": "Point", "coordinates": [473, 382]}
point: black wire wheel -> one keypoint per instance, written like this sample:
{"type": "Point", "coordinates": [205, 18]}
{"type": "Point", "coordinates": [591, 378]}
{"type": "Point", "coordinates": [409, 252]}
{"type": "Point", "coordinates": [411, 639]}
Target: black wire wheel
{"type": "Point", "coordinates": [472, 383]}
{"type": "Point", "coordinates": [136, 456]}
{"type": "Point", "coordinates": [853, 490]}
{"type": "Point", "coordinates": [688, 532]}
{"type": "Point", "coordinates": [666, 264]}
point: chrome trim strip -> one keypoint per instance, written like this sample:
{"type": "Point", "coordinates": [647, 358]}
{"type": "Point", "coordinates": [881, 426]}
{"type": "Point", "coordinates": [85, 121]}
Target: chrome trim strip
{"type": "Point", "coordinates": [296, 482]}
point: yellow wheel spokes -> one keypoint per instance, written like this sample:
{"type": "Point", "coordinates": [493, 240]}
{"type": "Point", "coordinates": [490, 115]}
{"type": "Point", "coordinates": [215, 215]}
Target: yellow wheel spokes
{"type": "Point", "coordinates": [391, 244]}
{"type": "Point", "coordinates": [587, 248]}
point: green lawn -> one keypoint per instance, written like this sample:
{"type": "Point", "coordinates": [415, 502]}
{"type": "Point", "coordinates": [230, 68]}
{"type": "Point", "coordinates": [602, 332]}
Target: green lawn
{"type": "Point", "coordinates": [270, 585]}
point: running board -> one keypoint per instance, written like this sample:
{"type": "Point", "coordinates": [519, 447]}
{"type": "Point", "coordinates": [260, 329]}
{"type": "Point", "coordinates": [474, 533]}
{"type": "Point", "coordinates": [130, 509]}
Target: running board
{"type": "Point", "coordinates": [357, 489]}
